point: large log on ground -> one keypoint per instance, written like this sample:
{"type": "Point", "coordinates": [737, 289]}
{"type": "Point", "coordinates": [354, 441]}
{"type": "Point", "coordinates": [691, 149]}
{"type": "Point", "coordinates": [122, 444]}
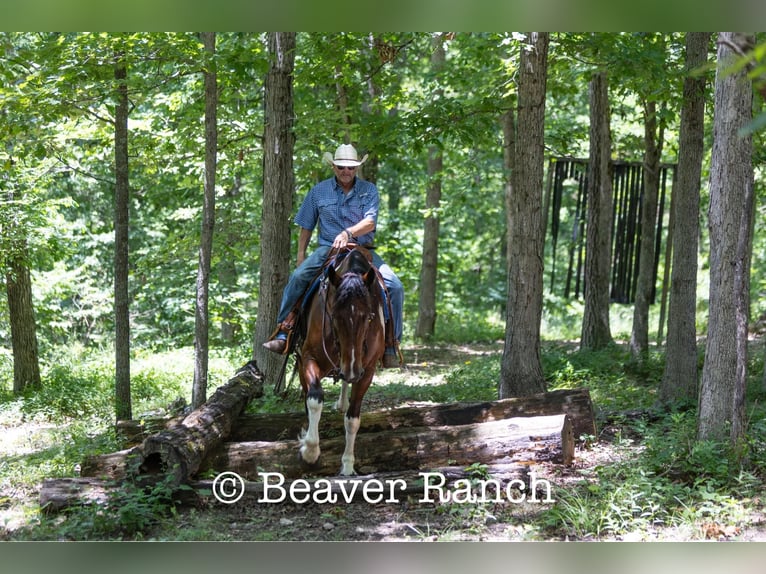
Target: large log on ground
{"type": "Point", "coordinates": [180, 450]}
{"type": "Point", "coordinates": [526, 440]}
{"type": "Point", "coordinates": [59, 493]}
{"type": "Point", "coordinates": [494, 480]}
{"type": "Point", "coordinates": [280, 426]}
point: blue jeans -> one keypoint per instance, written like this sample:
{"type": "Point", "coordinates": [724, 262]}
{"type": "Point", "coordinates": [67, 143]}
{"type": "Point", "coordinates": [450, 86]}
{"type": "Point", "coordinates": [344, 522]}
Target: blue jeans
{"type": "Point", "coordinates": [301, 278]}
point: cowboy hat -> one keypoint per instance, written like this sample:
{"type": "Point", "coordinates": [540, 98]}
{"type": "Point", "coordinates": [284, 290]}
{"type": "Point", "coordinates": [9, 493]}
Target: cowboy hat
{"type": "Point", "coordinates": [345, 155]}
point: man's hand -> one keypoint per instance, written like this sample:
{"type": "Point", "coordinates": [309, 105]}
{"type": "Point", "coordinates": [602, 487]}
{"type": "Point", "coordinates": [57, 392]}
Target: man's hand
{"type": "Point", "coordinates": [341, 240]}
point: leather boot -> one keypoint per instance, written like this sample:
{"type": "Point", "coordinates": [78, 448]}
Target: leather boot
{"type": "Point", "coordinates": [277, 345]}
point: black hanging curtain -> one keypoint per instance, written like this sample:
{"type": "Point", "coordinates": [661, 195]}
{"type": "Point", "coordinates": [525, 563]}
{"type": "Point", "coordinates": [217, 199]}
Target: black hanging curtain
{"type": "Point", "coordinates": [567, 214]}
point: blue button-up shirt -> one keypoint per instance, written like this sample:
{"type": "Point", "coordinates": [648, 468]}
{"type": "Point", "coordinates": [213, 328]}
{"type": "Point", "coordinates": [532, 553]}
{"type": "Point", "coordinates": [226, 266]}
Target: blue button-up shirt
{"type": "Point", "coordinates": [334, 211]}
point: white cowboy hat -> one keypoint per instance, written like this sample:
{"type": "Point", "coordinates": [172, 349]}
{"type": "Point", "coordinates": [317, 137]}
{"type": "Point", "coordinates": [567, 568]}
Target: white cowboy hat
{"type": "Point", "coordinates": [345, 155]}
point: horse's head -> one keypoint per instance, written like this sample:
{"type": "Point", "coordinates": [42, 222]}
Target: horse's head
{"type": "Point", "coordinates": [354, 307]}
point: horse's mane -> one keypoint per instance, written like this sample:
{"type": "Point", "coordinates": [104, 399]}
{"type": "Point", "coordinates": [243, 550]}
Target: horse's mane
{"type": "Point", "coordinates": [352, 285]}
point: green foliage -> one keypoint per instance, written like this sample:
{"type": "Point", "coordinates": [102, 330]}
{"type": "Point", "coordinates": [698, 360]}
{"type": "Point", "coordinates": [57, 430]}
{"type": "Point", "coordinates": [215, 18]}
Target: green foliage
{"type": "Point", "coordinates": [616, 382]}
{"type": "Point", "coordinates": [474, 380]}
{"type": "Point", "coordinates": [675, 481]}
{"type": "Point", "coordinates": [129, 512]}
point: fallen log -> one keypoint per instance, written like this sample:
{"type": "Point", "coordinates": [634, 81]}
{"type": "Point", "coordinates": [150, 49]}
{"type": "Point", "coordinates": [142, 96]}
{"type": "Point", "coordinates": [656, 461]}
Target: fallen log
{"type": "Point", "coordinates": [59, 493]}
{"type": "Point", "coordinates": [527, 440]}
{"type": "Point", "coordinates": [280, 426]}
{"type": "Point", "coordinates": [180, 450]}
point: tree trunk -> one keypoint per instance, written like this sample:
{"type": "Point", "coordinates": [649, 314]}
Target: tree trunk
{"type": "Point", "coordinates": [227, 266]}
{"type": "Point", "coordinates": [645, 283]}
{"type": "Point", "coordinates": [428, 268]}
{"type": "Point", "coordinates": [26, 362]}
{"type": "Point", "coordinates": [278, 184]}
{"type": "Point", "coordinates": [679, 380]}
{"type": "Point", "coordinates": [521, 370]}
{"type": "Point", "coordinates": [514, 440]}
{"type": "Point", "coordinates": [122, 399]}
{"type": "Point", "coordinates": [731, 176]}
{"type": "Point", "coordinates": [596, 333]}
{"type": "Point", "coordinates": [202, 315]}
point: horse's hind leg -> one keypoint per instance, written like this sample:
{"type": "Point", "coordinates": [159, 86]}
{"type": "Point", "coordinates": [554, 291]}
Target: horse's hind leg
{"type": "Point", "coordinates": [309, 439]}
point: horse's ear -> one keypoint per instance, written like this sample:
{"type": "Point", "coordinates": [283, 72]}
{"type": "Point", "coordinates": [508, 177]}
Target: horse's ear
{"type": "Point", "coordinates": [333, 276]}
{"type": "Point", "coordinates": [369, 278]}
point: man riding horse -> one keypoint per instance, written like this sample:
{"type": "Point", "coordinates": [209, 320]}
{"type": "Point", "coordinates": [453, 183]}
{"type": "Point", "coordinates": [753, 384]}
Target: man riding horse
{"type": "Point", "coordinates": [345, 207]}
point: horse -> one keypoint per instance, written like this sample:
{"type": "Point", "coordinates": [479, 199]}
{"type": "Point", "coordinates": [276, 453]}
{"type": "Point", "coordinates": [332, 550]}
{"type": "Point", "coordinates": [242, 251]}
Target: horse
{"type": "Point", "coordinates": [345, 338]}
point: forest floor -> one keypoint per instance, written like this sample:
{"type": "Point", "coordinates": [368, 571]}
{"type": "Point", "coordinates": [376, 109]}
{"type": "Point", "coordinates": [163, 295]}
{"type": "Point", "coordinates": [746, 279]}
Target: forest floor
{"type": "Point", "coordinates": [406, 520]}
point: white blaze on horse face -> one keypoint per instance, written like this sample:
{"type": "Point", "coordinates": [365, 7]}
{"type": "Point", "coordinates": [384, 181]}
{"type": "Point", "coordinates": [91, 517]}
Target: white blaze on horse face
{"type": "Point", "coordinates": [347, 460]}
{"type": "Point", "coordinates": [309, 441]}
{"type": "Point", "coordinates": [381, 318]}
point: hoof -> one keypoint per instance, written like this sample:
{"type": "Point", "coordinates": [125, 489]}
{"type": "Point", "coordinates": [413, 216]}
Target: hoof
{"type": "Point", "coordinates": [308, 459]}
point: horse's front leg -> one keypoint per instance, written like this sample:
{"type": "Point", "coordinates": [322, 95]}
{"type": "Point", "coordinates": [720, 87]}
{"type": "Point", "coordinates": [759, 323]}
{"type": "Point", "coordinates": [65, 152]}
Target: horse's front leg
{"type": "Point", "coordinates": [342, 403]}
{"type": "Point", "coordinates": [352, 421]}
{"type": "Point", "coordinates": [309, 439]}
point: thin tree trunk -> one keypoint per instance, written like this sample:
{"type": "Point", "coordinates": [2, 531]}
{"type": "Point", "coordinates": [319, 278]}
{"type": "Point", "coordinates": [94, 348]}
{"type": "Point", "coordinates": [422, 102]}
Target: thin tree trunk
{"type": "Point", "coordinates": [428, 268]}
{"type": "Point", "coordinates": [639, 338]}
{"type": "Point", "coordinates": [123, 408]}
{"type": "Point", "coordinates": [596, 332]}
{"type": "Point", "coordinates": [26, 363]}
{"type": "Point", "coordinates": [679, 380]}
{"type": "Point", "coordinates": [201, 316]}
{"type": "Point", "coordinates": [731, 175]}
{"type": "Point", "coordinates": [521, 370]}
{"type": "Point", "coordinates": [227, 267]}
{"type": "Point", "coordinates": [278, 183]}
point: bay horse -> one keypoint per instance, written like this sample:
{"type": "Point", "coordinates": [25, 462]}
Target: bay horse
{"type": "Point", "coordinates": [345, 338]}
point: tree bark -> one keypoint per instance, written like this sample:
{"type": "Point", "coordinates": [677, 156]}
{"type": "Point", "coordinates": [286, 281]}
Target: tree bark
{"type": "Point", "coordinates": [26, 359]}
{"type": "Point", "coordinates": [278, 184]}
{"type": "Point", "coordinates": [679, 379]}
{"type": "Point", "coordinates": [521, 370]}
{"type": "Point", "coordinates": [429, 263]}
{"type": "Point", "coordinates": [514, 440]}
{"type": "Point", "coordinates": [596, 332]}
{"type": "Point", "coordinates": [731, 175]}
{"type": "Point", "coordinates": [645, 282]}
{"type": "Point", "coordinates": [201, 315]}
{"type": "Point", "coordinates": [122, 399]}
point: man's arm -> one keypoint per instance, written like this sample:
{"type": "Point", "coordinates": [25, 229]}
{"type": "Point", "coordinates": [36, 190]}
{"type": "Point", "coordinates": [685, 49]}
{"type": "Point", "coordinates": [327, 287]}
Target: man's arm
{"type": "Point", "coordinates": [364, 226]}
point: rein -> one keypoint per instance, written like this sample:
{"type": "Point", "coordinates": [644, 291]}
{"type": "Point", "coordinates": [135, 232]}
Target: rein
{"type": "Point", "coordinates": [325, 314]}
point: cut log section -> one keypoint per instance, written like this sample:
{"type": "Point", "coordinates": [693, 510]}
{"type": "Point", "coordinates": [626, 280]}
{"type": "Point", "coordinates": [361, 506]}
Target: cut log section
{"type": "Point", "coordinates": [180, 450]}
{"type": "Point", "coordinates": [521, 440]}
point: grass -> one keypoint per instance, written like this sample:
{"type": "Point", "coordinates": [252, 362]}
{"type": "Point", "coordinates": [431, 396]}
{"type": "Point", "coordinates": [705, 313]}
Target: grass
{"type": "Point", "coordinates": [658, 479]}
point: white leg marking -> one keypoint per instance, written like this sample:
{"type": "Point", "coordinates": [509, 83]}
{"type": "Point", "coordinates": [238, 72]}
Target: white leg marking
{"type": "Point", "coordinates": [309, 440]}
{"type": "Point", "coordinates": [342, 403]}
{"type": "Point", "coordinates": [347, 460]}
